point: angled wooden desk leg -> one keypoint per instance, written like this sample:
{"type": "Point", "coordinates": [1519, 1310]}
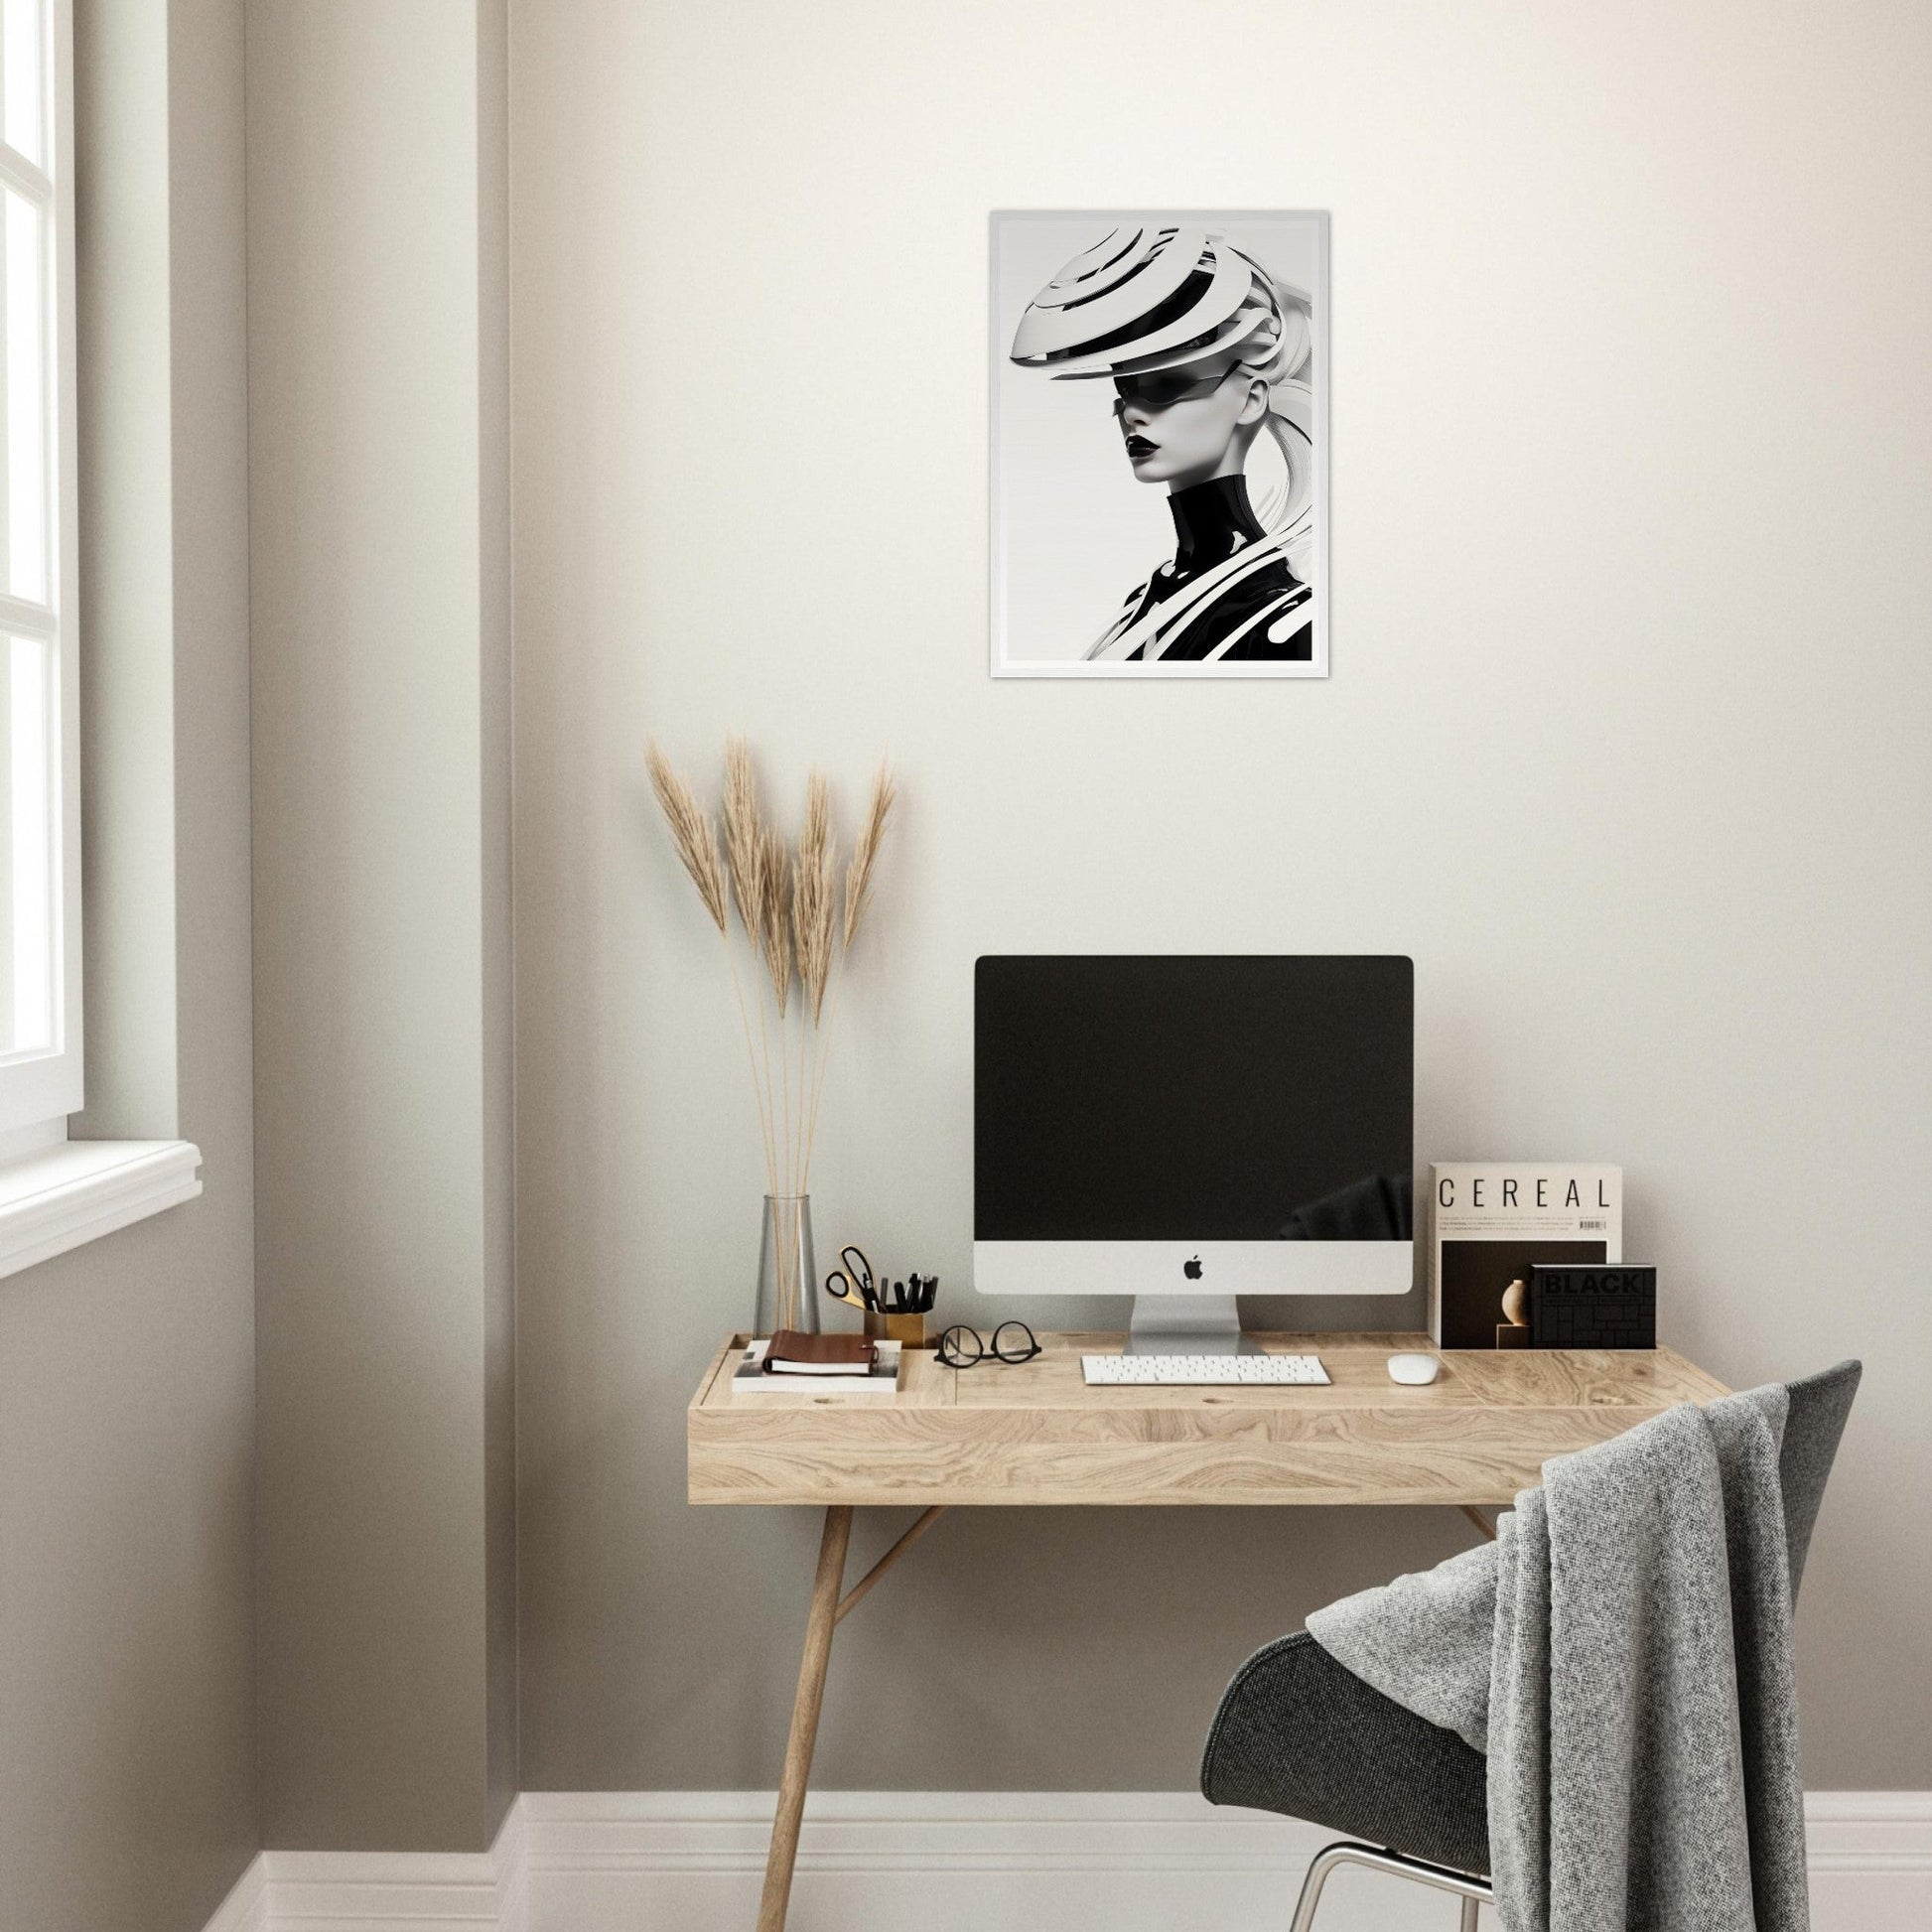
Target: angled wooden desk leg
{"type": "Point", "coordinates": [804, 1719]}
{"type": "Point", "coordinates": [828, 1607]}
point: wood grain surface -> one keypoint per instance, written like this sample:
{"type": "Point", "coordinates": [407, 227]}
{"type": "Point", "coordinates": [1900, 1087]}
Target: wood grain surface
{"type": "Point", "coordinates": [1035, 1433]}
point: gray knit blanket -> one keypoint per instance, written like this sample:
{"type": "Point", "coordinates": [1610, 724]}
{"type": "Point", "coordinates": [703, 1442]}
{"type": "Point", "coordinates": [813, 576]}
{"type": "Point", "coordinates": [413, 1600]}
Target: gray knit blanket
{"type": "Point", "coordinates": [1622, 1652]}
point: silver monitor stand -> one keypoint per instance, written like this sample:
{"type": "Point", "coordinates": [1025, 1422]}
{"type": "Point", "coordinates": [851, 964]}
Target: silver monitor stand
{"type": "Point", "coordinates": [1186, 1325]}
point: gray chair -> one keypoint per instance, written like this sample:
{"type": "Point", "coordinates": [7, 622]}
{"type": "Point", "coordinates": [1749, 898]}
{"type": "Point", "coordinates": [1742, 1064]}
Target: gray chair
{"type": "Point", "coordinates": [1300, 1734]}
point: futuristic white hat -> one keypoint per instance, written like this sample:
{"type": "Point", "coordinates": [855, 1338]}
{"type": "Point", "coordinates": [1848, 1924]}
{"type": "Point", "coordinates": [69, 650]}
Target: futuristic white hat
{"type": "Point", "coordinates": [1151, 297]}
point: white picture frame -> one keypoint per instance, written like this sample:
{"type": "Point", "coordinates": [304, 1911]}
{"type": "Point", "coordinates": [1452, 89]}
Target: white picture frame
{"type": "Point", "coordinates": [1078, 513]}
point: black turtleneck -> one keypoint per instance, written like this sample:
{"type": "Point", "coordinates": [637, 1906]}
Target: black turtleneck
{"type": "Point", "coordinates": [1211, 521]}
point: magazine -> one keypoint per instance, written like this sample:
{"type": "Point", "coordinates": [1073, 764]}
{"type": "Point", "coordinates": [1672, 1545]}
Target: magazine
{"type": "Point", "coordinates": [1490, 1221]}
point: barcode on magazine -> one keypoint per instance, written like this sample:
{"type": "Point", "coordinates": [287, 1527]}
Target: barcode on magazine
{"type": "Point", "coordinates": [1597, 1226]}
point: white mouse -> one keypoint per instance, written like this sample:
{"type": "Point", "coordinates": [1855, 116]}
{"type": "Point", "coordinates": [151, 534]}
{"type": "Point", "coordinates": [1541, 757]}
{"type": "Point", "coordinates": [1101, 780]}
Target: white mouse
{"type": "Point", "coordinates": [1414, 1369]}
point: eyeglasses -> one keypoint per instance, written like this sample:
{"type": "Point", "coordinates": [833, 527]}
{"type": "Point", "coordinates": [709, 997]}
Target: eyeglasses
{"type": "Point", "coordinates": [963, 1347]}
{"type": "Point", "coordinates": [1163, 389]}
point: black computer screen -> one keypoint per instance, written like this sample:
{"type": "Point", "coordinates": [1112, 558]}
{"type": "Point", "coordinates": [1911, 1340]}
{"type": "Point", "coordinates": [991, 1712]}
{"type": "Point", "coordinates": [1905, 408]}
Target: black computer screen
{"type": "Point", "coordinates": [1225, 1098]}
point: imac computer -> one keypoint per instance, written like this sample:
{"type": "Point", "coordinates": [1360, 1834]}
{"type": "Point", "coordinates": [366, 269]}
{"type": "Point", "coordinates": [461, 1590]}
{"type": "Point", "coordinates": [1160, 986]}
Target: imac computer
{"type": "Point", "coordinates": [1185, 1130]}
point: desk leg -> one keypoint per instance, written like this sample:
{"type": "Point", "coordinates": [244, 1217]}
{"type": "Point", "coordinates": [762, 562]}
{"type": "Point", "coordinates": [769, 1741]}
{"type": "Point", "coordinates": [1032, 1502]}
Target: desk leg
{"type": "Point", "coordinates": [804, 1719]}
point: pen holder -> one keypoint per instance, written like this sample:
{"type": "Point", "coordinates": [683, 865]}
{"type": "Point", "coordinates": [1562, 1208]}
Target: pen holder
{"type": "Point", "coordinates": [908, 1329]}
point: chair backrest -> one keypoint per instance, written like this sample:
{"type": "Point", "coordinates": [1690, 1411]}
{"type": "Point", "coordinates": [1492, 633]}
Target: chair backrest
{"type": "Point", "coordinates": [1819, 1406]}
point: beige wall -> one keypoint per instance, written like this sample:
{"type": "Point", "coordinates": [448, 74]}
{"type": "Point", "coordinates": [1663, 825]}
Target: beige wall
{"type": "Point", "coordinates": [1624, 743]}
{"type": "Point", "coordinates": [378, 401]}
{"type": "Point", "coordinates": [495, 939]}
{"type": "Point", "coordinates": [127, 1788]}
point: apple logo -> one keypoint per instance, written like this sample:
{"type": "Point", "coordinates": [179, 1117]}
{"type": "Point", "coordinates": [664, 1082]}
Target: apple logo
{"type": "Point", "coordinates": [1191, 1269]}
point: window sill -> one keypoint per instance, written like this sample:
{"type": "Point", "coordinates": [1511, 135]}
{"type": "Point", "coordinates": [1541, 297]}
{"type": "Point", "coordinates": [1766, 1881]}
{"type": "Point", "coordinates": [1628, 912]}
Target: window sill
{"type": "Point", "coordinates": [79, 1190]}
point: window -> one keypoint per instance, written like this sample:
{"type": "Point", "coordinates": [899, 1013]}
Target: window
{"type": "Point", "coordinates": [40, 811]}
{"type": "Point", "coordinates": [55, 1194]}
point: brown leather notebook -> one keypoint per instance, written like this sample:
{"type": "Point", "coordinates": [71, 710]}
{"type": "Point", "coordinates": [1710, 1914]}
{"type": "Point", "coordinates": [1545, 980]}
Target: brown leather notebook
{"type": "Point", "coordinates": [793, 1353]}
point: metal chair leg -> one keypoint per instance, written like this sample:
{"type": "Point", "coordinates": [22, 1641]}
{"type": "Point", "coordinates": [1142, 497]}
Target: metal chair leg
{"type": "Point", "coordinates": [1325, 1862]}
{"type": "Point", "coordinates": [1471, 1890]}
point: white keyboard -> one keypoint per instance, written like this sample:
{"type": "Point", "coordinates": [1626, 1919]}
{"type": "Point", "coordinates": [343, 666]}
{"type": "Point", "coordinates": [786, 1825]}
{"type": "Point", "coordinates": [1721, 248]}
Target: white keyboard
{"type": "Point", "coordinates": [1203, 1371]}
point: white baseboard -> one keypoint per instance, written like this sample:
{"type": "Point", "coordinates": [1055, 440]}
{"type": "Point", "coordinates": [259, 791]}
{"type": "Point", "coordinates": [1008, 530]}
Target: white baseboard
{"type": "Point", "coordinates": [391, 1891]}
{"type": "Point", "coordinates": [1869, 1855]}
{"type": "Point", "coordinates": [939, 1861]}
{"type": "Point", "coordinates": [245, 1909]}
{"type": "Point", "coordinates": [953, 1861]}
{"type": "Point", "coordinates": [385, 1891]}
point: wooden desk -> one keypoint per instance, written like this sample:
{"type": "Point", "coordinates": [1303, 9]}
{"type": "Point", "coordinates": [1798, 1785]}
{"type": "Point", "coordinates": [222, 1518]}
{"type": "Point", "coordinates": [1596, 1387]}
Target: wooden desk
{"type": "Point", "coordinates": [1034, 1434]}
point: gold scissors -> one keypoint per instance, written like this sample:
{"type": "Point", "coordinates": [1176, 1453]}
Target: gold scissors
{"type": "Point", "coordinates": [853, 1282]}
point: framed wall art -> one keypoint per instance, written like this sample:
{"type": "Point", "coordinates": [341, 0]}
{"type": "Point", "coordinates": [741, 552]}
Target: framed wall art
{"type": "Point", "coordinates": [1159, 472]}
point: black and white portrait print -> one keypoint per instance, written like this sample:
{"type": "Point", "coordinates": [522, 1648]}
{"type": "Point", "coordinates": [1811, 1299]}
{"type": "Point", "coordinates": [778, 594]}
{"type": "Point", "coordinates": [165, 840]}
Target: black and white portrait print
{"type": "Point", "coordinates": [1160, 445]}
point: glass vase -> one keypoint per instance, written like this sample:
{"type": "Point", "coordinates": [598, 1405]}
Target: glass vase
{"type": "Point", "coordinates": [788, 1272]}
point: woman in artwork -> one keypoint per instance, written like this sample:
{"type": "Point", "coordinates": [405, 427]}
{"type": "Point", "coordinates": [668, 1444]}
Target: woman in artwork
{"type": "Point", "coordinates": [1208, 353]}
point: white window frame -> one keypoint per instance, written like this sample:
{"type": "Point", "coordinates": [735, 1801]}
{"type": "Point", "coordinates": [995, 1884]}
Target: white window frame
{"type": "Point", "coordinates": [56, 1192]}
{"type": "Point", "coordinates": [40, 1088]}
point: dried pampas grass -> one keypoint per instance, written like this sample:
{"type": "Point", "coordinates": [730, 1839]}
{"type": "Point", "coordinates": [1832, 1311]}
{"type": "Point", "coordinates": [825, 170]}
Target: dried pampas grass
{"type": "Point", "coordinates": [692, 832]}
{"type": "Point", "coordinates": [744, 838]}
{"type": "Point", "coordinates": [814, 895]}
{"type": "Point", "coordinates": [787, 907]}
{"type": "Point", "coordinates": [775, 924]}
{"type": "Point", "coordinates": [864, 851]}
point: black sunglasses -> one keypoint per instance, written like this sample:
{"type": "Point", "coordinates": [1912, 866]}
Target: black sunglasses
{"type": "Point", "coordinates": [964, 1348]}
{"type": "Point", "coordinates": [1163, 389]}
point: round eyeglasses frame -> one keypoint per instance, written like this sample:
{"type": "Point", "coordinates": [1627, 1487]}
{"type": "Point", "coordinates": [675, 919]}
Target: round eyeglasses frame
{"type": "Point", "coordinates": [964, 1348]}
